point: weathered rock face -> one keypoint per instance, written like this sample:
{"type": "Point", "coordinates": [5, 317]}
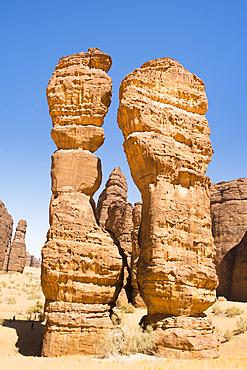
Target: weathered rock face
{"type": "Point", "coordinates": [115, 215]}
{"type": "Point", "coordinates": [229, 225]}
{"type": "Point", "coordinates": [17, 255]}
{"type": "Point", "coordinates": [137, 300]}
{"type": "Point", "coordinates": [161, 114]}
{"type": "Point", "coordinates": [81, 265]}
{"type": "Point", "coordinates": [6, 228]}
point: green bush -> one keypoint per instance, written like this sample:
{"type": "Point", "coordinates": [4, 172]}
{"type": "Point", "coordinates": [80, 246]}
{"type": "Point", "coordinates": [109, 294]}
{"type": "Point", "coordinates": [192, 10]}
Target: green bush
{"type": "Point", "coordinates": [233, 311]}
{"type": "Point", "coordinates": [222, 299]}
{"type": "Point", "coordinates": [217, 310]}
{"type": "Point", "coordinates": [128, 308]}
{"type": "Point", "coordinates": [241, 326]}
{"type": "Point", "coordinates": [36, 311]}
{"type": "Point", "coordinates": [228, 335]}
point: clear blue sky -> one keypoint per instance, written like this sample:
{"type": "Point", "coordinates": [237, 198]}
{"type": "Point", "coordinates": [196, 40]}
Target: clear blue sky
{"type": "Point", "coordinates": [207, 37]}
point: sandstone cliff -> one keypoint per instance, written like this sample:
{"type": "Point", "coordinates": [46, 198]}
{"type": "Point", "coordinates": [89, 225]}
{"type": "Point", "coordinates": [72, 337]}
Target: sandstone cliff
{"type": "Point", "coordinates": [6, 228]}
{"type": "Point", "coordinates": [229, 225]}
{"type": "Point", "coordinates": [17, 255]}
{"type": "Point", "coordinates": [161, 115]}
{"type": "Point", "coordinates": [81, 265]}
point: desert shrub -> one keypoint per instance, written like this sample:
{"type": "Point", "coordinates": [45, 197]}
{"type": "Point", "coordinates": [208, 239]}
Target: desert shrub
{"type": "Point", "coordinates": [217, 310]}
{"type": "Point", "coordinates": [241, 326]}
{"type": "Point", "coordinates": [36, 311]}
{"type": "Point", "coordinates": [222, 299]}
{"type": "Point", "coordinates": [4, 284]}
{"type": "Point", "coordinates": [33, 296]}
{"type": "Point", "coordinates": [228, 335]}
{"type": "Point", "coordinates": [233, 311]}
{"type": "Point", "coordinates": [126, 341]}
{"type": "Point", "coordinates": [128, 308]}
{"type": "Point", "coordinates": [27, 285]}
{"type": "Point", "coordinates": [11, 300]}
{"type": "Point", "coordinates": [12, 281]}
{"type": "Point", "coordinates": [1, 321]}
{"type": "Point", "coordinates": [116, 320]}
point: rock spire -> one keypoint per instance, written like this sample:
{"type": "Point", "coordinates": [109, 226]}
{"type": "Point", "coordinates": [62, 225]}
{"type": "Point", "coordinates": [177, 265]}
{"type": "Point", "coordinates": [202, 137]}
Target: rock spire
{"type": "Point", "coordinates": [81, 265]}
{"type": "Point", "coordinates": [162, 117]}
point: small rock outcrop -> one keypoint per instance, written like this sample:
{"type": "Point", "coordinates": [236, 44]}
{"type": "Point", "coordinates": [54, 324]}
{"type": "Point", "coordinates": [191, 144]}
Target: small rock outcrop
{"type": "Point", "coordinates": [229, 226]}
{"type": "Point", "coordinates": [82, 269]}
{"type": "Point", "coordinates": [17, 255]}
{"type": "Point", "coordinates": [6, 229]}
{"type": "Point", "coordinates": [162, 116]}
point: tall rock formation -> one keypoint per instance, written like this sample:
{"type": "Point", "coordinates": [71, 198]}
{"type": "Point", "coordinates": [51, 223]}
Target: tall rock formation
{"type": "Point", "coordinates": [17, 255]}
{"type": "Point", "coordinates": [115, 215]}
{"type": "Point", "coordinates": [81, 266]}
{"type": "Point", "coordinates": [161, 114]}
{"type": "Point", "coordinates": [229, 225]}
{"type": "Point", "coordinates": [6, 229]}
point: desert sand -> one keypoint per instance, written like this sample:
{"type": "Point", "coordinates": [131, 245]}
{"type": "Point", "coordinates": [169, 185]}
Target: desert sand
{"type": "Point", "coordinates": [20, 346]}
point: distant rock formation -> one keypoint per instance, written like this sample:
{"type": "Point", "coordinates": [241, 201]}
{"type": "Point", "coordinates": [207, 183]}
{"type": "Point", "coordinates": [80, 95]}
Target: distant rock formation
{"type": "Point", "coordinates": [161, 114]}
{"type": "Point", "coordinates": [115, 215]}
{"type": "Point", "coordinates": [6, 229]}
{"type": "Point", "coordinates": [17, 255]}
{"type": "Point", "coordinates": [229, 226]}
{"type": "Point", "coordinates": [32, 261]}
{"type": "Point", "coordinates": [82, 269]}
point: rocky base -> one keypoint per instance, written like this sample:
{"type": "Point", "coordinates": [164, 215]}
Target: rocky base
{"type": "Point", "coordinates": [183, 337]}
{"type": "Point", "coordinates": [74, 328]}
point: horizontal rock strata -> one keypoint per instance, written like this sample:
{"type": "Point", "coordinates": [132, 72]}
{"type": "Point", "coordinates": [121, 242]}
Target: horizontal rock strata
{"type": "Point", "coordinates": [81, 265]}
{"type": "Point", "coordinates": [161, 114]}
{"type": "Point", "coordinates": [229, 225]}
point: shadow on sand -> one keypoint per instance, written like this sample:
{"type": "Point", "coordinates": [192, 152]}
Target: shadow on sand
{"type": "Point", "coordinates": [29, 341]}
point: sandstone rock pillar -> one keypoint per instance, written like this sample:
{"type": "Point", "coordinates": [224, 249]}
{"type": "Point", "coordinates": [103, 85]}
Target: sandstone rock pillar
{"type": "Point", "coordinates": [161, 114]}
{"type": "Point", "coordinates": [17, 255]}
{"type": "Point", "coordinates": [81, 265]}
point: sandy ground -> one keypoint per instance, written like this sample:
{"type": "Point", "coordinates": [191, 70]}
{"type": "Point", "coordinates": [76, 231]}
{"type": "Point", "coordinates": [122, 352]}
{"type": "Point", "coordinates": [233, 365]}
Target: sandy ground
{"type": "Point", "coordinates": [20, 346]}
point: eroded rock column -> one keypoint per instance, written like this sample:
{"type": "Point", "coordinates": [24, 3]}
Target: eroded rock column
{"type": "Point", "coordinates": [81, 265]}
{"type": "Point", "coordinates": [167, 145]}
{"type": "Point", "coordinates": [17, 255]}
